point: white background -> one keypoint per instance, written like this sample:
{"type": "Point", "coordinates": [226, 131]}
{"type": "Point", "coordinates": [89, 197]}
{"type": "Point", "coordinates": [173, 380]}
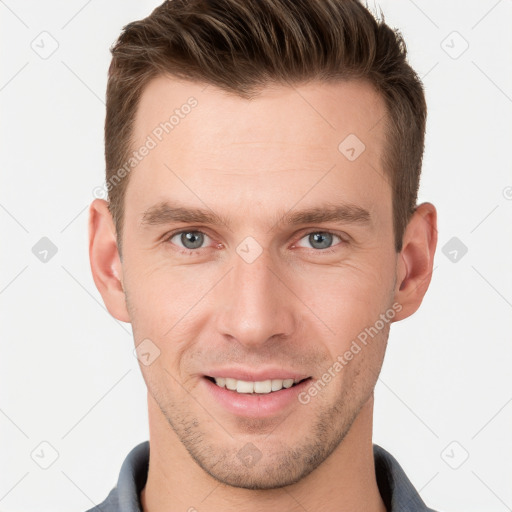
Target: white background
{"type": "Point", "coordinates": [69, 377]}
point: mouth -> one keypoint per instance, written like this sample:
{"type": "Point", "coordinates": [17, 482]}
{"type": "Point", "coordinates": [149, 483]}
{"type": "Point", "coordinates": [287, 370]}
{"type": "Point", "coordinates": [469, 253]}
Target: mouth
{"type": "Point", "coordinates": [264, 397]}
{"type": "Point", "coordinates": [262, 387]}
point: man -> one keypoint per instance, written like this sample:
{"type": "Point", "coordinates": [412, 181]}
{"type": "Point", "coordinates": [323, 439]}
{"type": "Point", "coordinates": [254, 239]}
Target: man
{"type": "Point", "coordinates": [261, 235]}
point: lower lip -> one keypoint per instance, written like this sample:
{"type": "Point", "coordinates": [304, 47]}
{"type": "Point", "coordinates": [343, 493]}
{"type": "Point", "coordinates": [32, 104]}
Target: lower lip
{"type": "Point", "coordinates": [255, 405]}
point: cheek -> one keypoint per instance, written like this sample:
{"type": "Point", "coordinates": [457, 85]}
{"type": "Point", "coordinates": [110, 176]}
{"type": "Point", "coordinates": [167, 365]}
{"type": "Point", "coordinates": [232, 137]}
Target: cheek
{"type": "Point", "coordinates": [163, 294]}
{"type": "Point", "coordinates": [347, 298]}
{"type": "Point", "coordinates": [167, 306]}
{"type": "Point", "coordinates": [171, 303]}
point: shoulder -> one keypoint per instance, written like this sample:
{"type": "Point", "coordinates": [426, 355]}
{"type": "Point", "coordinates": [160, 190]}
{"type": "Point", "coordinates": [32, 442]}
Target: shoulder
{"type": "Point", "coordinates": [132, 479]}
{"type": "Point", "coordinates": [397, 491]}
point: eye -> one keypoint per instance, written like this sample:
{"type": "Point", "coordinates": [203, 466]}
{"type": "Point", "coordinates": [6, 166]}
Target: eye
{"type": "Point", "coordinates": [188, 240]}
{"type": "Point", "coordinates": [321, 239]}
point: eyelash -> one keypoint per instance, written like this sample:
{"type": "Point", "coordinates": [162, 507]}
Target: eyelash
{"type": "Point", "coordinates": [190, 252]}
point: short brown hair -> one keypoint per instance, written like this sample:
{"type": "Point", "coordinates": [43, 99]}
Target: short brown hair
{"type": "Point", "coordinates": [241, 46]}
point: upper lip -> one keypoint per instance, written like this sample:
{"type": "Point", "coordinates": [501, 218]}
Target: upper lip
{"type": "Point", "coordinates": [256, 375]}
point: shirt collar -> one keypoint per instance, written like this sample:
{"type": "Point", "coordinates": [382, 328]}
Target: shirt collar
{"type": "Point", "coordinates": [396, 490]}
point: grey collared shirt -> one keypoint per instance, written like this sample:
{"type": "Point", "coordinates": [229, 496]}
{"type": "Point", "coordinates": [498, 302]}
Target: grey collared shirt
{"type": "Point", "coordinates": [396, 490]}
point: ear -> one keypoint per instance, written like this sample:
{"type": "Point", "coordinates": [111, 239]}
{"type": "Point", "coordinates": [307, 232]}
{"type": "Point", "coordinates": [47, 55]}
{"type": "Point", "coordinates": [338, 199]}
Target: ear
{"type": "Point", "coordinates": [416, 259]}
{"type": "Point", "coordinates": [105, 262]}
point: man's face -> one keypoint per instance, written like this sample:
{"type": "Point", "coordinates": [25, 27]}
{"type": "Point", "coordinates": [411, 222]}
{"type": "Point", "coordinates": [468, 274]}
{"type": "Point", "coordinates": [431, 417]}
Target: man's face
{"type": "Point", "coordinates": [257, 297]}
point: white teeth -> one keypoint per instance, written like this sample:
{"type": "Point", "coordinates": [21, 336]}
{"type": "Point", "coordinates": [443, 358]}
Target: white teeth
{"type": "Point", "coordinates": [260, 387]}
{"type": "Point", "coordinates": [288, 383]}
{"type": "Point", "coordinates": [231, 384]}
{"type": "Point", "coordinates": [277, 384]}
{"type": "Point", "coordinates": [264, 386]}
{"type": "Point", "coordinates": [243, 386]}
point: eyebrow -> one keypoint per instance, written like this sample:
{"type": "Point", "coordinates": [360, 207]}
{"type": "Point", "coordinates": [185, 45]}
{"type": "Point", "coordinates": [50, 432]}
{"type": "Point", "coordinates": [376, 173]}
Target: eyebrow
{"type": "Point", "coordinates": [166, 213]}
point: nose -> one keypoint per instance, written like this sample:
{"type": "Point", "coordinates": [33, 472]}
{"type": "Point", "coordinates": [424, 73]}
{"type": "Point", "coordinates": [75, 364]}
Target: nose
{"type": "Point", "coordinates": [255, 304]}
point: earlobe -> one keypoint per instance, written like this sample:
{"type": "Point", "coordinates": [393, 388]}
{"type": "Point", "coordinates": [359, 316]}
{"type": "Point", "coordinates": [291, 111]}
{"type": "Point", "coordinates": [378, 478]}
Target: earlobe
{"type": "Point", "coordinates": [104, 258]}
{"type": "Point", "coordinates": [416, 259]}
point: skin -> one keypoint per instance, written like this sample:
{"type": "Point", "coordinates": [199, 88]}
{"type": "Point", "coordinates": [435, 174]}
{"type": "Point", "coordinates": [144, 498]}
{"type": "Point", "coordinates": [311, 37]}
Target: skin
{"type": "Point", "coordinates": [295, 307]}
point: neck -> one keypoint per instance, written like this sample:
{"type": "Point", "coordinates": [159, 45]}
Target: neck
{"type": "Point", "coordinates": [344, 482]}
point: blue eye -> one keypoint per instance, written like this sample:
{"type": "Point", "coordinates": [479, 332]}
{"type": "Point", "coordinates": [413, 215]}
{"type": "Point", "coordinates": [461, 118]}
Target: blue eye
{"type": "Point", "coordinates": [189, 240]}
{"type": "Point", "coordinates": [320, 239]}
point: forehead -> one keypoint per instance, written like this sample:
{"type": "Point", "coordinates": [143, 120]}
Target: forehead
{"type": "Point", "coordinates": [319, 109]}
{"type": "Point", "coordinates": [202, 138]}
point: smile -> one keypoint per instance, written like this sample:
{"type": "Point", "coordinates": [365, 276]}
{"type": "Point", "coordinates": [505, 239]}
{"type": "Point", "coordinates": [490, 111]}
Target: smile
{"type": "Point", "coordinates": [255, 387]}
